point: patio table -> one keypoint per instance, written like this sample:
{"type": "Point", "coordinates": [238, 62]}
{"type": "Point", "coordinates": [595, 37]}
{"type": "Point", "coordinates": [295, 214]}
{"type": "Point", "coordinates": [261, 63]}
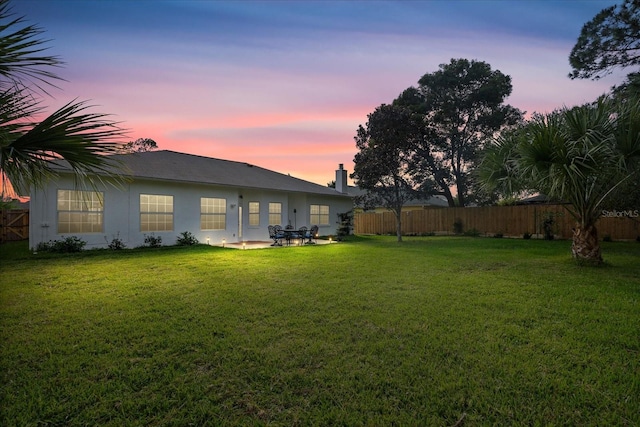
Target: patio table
{"type": "Point", "coordinates": [292, 233]}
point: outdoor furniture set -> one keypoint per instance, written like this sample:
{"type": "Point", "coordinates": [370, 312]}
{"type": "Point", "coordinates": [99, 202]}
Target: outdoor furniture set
{"type": "Point", "coordinates": [303, 235]}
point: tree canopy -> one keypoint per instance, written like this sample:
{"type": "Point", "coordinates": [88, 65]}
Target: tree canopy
{"type": "Point", "coordinates": [30, 147]}
{"type": "Point", "coordinates": [461, 106]}
{"type": "Point", "coordinates": [383, 165]}
{"type": "Point", "coordinates": [611, 39]}
{"type": "Point", "coordinates": [140, 145]}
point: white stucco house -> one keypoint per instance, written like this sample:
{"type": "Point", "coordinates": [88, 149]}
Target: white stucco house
{"type": "Point", "coordinates": [168, 193]}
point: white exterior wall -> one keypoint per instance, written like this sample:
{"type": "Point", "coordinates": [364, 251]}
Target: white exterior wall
{"type": "Point", "coordinates": [122, 212]}
{"type": "Point", "coordinates": [295, 211]}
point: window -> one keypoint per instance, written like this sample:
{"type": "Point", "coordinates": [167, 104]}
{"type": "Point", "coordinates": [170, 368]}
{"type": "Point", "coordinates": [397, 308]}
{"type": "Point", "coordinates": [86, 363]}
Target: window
{"type": "Point", "coordinates": [319, 214]}
{"type": "Point", "coordinates": [275, 213]}
{"type": "Point", "coordinates": [254, 214]}
{"type": "Point", "coordinates": [156, 212]}
{"type": "Point", "coordinates": [213, 214]}
{"type": "Point", "coordinates": [80, 211]}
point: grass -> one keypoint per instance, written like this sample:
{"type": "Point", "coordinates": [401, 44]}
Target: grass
{"type": "Point", "coordinates": [433, 331]}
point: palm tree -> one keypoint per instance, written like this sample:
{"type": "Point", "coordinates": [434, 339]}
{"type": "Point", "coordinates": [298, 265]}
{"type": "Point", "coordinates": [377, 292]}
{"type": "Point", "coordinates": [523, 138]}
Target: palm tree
{"type": "Point", "coordinates": [29, 148]}
{"type": "Point", "coordinates": [580, 155]}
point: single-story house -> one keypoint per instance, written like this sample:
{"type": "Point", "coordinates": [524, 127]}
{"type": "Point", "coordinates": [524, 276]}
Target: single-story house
{"type": "Point", "coordinates": [168, 193]}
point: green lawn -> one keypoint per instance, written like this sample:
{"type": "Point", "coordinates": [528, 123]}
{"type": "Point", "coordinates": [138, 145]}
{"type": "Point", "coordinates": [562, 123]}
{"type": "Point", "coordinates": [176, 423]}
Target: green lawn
{"type": "Point", "coordinates": [432, 331]}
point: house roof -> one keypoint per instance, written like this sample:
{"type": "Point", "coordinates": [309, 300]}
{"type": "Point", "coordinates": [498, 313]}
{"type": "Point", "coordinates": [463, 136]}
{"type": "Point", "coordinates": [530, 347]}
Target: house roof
{"type": "Point", "coordinates": [431, 201]}
{"type": "Point", "coordinates": [538, 199]}
{"type": "Point", "coordinates": [169, 165]}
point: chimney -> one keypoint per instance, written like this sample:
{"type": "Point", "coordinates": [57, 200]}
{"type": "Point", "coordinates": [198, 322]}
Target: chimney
{"type": "Point", "coordinates": [341, 179]}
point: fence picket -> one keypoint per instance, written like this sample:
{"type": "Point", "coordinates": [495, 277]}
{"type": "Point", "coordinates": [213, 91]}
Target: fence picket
{"type": "Point", "coordinates": [511, 221]}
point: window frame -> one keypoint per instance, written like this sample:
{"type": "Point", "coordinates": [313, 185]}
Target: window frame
{"type": "Point", "coordinates": [254, 214]}
{"type": "Point", "coordinates": [85, 206]}
{"type": "Point", "coordinates": [157, 214]}
{"type": "Point", "coordinates": [316, 218]}
{"type": "Point", "coordinates": [275, 213]}
{"type": "Point", "coordinates": [215, 215]}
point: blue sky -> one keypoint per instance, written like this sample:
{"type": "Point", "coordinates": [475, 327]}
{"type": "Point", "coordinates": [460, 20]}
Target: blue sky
{"type": "Point", "coordinates": [285, 84]}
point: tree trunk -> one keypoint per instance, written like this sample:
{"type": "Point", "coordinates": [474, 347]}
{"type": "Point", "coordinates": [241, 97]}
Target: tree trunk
{"type": "Point", "coordinates": [446, 192]}
{"type": "Point", "coordinates": [585, 246]}
{"type": "Point", "coordinates": [460, 188]}
{"type": "Point", "coordinates": [399, 226]}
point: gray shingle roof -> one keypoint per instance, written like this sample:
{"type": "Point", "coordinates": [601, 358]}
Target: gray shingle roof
{"type": "Point", "coordinates": [189, 168]}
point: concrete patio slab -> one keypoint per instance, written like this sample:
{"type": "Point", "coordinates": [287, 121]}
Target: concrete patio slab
{"type": "Point", "coordinates": [267, 244]}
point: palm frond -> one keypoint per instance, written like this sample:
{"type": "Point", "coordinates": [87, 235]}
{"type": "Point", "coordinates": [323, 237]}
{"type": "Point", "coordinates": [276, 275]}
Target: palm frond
{"type": "Point", "coordinates": [497, 169]}
{"type": "Point", "coordinates": [627, 133]}
{"type": "Point", "coordinates": [84, 140]}
{"type": "Point", "coordinates": [21, 53]}
{"type": "Point", "coordinates": [31, 151]}
{"type": "Point", "coordinates": [580, 155]}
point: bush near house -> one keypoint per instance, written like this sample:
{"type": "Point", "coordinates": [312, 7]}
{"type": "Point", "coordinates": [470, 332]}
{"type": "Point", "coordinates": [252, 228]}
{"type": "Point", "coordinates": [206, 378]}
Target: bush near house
{"type": "Point", "coordinates": [152, 240]}
{"type": "Point", "coordinates": [64, 245]}
{"type": "Point", "coordinates": [186, 238]}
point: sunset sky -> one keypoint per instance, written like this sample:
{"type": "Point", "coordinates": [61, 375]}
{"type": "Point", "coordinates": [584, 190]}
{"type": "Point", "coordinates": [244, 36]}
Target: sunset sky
{"type": "Point", "coordinates": [285, 84]}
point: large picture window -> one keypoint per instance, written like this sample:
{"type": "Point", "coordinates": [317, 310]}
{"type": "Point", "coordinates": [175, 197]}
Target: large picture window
{"type": "Point", "coordinates": [213, 213]}
{"type": "Point", "coordinates": [275, 213]}
{"type": "Point", "coordinates": [254, 214]}
{"type": "Point", "coordinates": [319, 215]}
{"type": "Point", "coordinates": [156, 212]}
{"type": "Point", "coordinates": [80, 211]}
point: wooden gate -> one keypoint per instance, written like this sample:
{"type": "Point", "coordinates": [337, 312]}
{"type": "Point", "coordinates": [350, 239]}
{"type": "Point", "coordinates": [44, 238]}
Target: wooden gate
{"type": "Point", "coordinates": [14, 225]}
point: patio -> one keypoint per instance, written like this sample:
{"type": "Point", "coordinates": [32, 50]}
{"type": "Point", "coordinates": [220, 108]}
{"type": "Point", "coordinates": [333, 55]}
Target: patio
{"type": "Point", "coordinates": [267, 244]}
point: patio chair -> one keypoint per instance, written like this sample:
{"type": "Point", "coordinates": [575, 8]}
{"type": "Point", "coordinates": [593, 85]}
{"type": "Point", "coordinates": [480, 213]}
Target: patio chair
{"type": "Point", "coordinates": [302, 234]}
{"type": "Point", "coordinates": [276, 234]}
{"type": "Point", "coordinates": [312, 235]}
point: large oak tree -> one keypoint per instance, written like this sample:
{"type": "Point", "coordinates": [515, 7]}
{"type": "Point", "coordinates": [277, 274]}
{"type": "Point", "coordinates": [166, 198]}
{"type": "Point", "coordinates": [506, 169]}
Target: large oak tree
{"type": "Point", "coordinates": [461, 106]}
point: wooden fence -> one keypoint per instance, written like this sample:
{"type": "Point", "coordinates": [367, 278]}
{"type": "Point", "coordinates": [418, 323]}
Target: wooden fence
{"type": "Point", "coordinates": [14, 225]}
{"type": "Point", "coordinates": [510, 221]}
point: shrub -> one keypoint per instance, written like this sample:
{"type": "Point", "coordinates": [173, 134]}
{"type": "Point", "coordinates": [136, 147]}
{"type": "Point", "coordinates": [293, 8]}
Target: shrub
{"type": "Point", "coordinates": [547, 225]}
{"type": "Point", "coordinates": [457, 226]}
{"type": "Point", "coordinates": [548, 221]}
{"type": "Point", "coordinates": [116, 243]}
{"type": "Point", "coordinates": [345, 224]}
{"type": "Point", "coordinates": [186, 238]}
{"type": "Point", "coordinates": [66, 245]}
{"type": "Point", "coordinates": [152, 241]}
{"type": "Point", "coordinates": [474, 232]}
